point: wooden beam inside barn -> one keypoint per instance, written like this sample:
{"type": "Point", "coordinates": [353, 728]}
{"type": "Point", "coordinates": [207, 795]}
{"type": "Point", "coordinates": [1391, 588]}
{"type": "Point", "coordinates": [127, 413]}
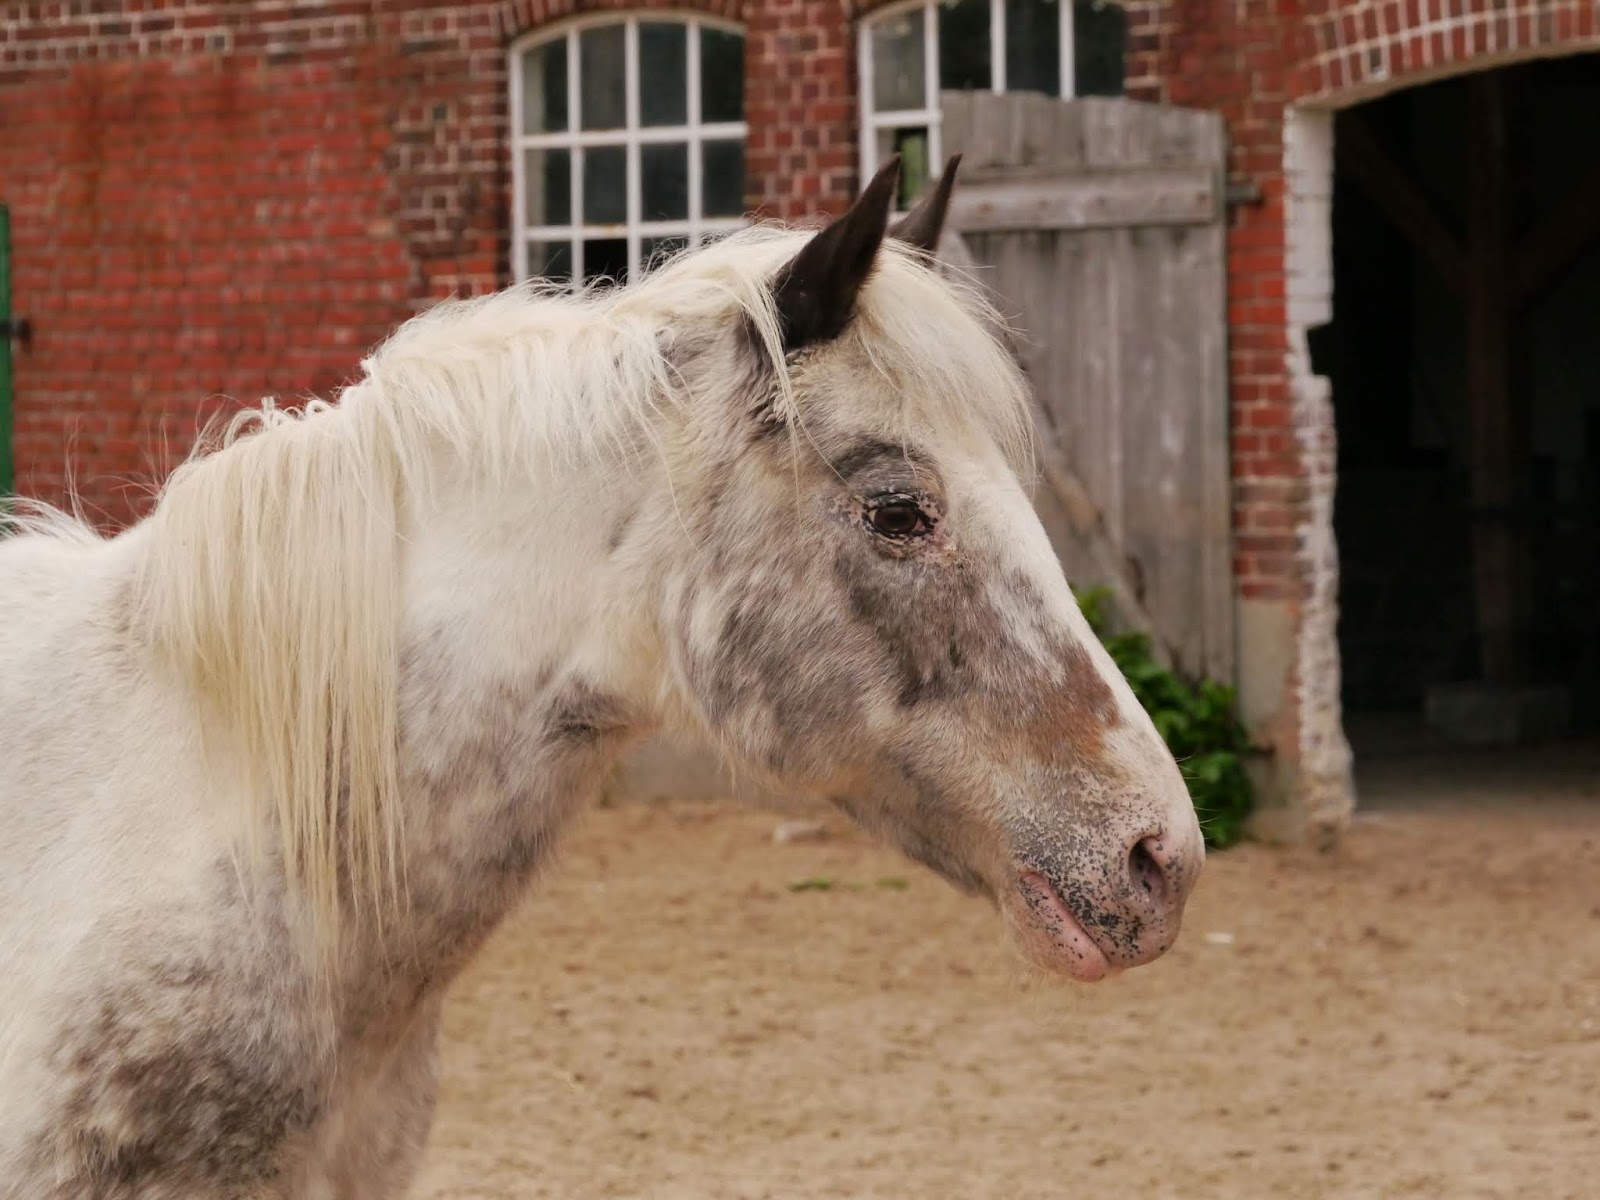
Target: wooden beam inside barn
{"type": "Point", "coordinates": [1497, 277]}
{"type": "Point", "coordinates": [1496, 441]}
{"type": "Point", "coordinates": [1545, 250]}
{"type": "Point", "coordinates": [1364, 157]}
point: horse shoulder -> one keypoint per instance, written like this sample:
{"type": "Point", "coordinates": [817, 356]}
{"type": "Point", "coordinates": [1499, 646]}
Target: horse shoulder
{"type": "Point", "coordinates": [158, 1034]}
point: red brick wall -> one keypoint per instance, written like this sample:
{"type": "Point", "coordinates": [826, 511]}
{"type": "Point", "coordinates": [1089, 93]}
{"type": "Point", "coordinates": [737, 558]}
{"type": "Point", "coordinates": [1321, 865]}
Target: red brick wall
{"type": "Point", "coordinates": [217, 201]}
{"type": "Point", "coordinates": [800, 103]}
{"type": "Point", "coordinates": [182, 229]}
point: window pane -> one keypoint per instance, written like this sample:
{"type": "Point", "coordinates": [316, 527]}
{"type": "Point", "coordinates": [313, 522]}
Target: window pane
{"type": "Point", "coordinates": [722, 178]}
{"type": "Point", "coordinates": [1099, 43]}
{"type": "Point", "coordinates": [552, 260]}
{"type": "Point", "coordinates": [1033, 46]}
{"type": "Point", "coordinates": [606, 258]}
{"type": "Point", "coordinates": [664, 182]}
{"type": "Point", "coordinates": [605, 185]}
{"type": "Point", "coordinates": [721, 76]}
{"type": "Point", "coordinates": [655, 251]}
{"type": "Point", "coordinates": [663, 68]}
{"type": "Point", "coordinates": [547, 187]}
{"type": "Point", "coordinates": [964, 48]}
{"type": "Point", "coordinates": [544, 88]}
{"type": "Point", "coordinates": [898, 77]}
{"type": "Point", "coordinates": [601, 66]}
{"type": "Point", "coordinates": [912, 146]}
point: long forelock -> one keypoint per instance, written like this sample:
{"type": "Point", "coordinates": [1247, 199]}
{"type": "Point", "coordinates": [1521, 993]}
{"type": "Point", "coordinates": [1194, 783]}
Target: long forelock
{"type": "Point", "coordinates": [934, 339]}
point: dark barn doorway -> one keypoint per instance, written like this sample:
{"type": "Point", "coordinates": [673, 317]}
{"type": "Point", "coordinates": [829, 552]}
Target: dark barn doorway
{"type": "Point", "coordinates": [1464, 355]}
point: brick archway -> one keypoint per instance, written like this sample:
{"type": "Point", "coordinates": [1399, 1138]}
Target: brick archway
{"type": "Point", "coordinates": [517, 17]}
{"type": "Point", "coordinates": [1464, 47]}
{"type": "Point", "coordinates": [1279, 76]}
{"type": "Point", "coordinates": [1325, 784]}
{"type": "Point", "coordinates": [1353, 51]}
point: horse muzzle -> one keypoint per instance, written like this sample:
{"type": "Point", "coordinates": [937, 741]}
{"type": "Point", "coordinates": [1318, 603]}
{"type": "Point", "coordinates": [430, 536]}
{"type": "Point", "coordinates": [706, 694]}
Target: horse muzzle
{"type": "Point", "coordinates": [1089, 912]}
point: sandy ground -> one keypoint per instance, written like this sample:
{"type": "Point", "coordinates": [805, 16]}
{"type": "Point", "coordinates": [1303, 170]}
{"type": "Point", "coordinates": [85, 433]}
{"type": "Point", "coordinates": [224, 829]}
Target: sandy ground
{"type": "Point", "coordinates": [1416, 1014]}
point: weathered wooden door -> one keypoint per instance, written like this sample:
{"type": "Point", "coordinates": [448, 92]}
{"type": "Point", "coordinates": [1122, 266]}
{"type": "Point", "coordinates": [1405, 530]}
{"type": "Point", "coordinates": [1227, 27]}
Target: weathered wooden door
{"type": "Point", "coordinates": [1098, 224]}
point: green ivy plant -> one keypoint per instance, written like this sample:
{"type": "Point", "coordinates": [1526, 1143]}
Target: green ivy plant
{"type": "Point", "coordinates": [1198, 721]}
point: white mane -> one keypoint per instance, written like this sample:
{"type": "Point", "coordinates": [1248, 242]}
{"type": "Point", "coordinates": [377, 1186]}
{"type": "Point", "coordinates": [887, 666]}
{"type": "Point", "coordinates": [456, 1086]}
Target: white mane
{"type": "Point", "coordinates": [270, 580]}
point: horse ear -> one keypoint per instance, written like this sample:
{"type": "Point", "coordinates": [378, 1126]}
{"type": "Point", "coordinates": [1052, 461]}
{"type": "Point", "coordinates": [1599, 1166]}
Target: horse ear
{"type": "Point", "coordinates": [815, 293]}
{"type": "Point", "coordinates": [923, 225]}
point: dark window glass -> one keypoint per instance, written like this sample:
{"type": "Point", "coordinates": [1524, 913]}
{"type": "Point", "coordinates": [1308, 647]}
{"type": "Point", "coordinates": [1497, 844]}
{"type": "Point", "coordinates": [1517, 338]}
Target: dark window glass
{"type": "Point", "coordinates": [606, 258]}
{"type": "Point", "coordinates": [655, 251]}
{"type": "Point", "coordinates": [898, 62]}
{"type": "Point", "coordinates": [664, 181]}
{"type": "Point", "coordinates": [553, 260]}
{"type": "Point", "coordinates": [964, 48]}
{"type": "Point", "coordinates": [1099, 47]}
{"type": "Point", "coordinates": [722, 178]}
{"type": "Point", "coordinates": [663, 73]}
{"type": "Point", "coordinates": [721, 76]}
{"type": "Point", "coordinates": [602, 67]}
{"type": "Point", "coordinates": [547, 186]}
{"type": "Point", "coordinates": [605, 185]}
{"type": "Point", "coordinates": [1033, 46]}
{"type": "Point", "coordinates": [544, 88]}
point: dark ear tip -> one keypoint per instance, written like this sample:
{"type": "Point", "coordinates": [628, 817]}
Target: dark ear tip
{"type": "Point", "coordinates": [816, 292]}
{"type": "Point", "coordinates": [885, 176]}
{"type": "Point", "coordinates": [922, 227]}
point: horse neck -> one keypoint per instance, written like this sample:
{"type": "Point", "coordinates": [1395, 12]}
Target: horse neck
{"type": "Point", "coordinates": [529, 663]}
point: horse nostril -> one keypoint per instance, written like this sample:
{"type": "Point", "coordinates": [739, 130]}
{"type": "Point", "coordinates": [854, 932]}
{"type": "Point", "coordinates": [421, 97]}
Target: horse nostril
{"type": "Point", "coordinates": [1144, 869]}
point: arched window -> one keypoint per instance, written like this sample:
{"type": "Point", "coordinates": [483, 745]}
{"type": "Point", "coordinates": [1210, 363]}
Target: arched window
{"type": "Point", "coordinates": [628, 135]}
{"type": "Point", "coordinates": [911, 52]}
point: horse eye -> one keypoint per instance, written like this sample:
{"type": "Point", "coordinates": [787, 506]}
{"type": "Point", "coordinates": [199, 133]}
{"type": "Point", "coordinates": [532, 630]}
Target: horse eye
{"type": "Point", "coordinates": [898, 519]}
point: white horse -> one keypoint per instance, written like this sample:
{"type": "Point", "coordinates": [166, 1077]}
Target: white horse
{"type": "Point", "coordinates": [278, 758]}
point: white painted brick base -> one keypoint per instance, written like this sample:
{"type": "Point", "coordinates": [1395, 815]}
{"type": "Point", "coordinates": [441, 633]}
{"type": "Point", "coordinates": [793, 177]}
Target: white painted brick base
{"type": "Point", "coordinates": [1325, 785]}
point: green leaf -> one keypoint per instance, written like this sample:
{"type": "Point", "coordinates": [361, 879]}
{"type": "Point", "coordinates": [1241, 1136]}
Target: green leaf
{"type": "Point", "coordinates": [1196, 718]}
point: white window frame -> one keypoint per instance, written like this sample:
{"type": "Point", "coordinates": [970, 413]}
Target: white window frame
{"type": "Point", "coordinates": [633, 135]}
{"type": "Point", "coordinates": [872, 121]}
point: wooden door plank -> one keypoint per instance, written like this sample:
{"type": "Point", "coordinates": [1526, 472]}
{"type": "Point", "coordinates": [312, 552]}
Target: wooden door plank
{"type": "Point", "coordinates": [1097, 199]}
{"type": "Point", "coordinates": [1099, 226]}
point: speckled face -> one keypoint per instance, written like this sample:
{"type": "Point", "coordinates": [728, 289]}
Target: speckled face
{"type": "Point", "coordinates": [873, 611]}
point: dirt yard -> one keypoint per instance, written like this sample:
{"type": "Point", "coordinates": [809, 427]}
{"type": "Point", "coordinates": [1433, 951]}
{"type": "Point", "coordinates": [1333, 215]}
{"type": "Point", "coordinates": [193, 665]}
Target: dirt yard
{"type": "Point", "coordinates": [1417, 1014]}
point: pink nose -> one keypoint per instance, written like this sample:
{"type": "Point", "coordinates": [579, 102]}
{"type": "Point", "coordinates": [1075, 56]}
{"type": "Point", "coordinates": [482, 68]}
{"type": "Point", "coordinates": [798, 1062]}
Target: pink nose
{"type": "Point", "coordinates": [1160, 878]}
{"type": "Point", "coordinates": [1148, 862]}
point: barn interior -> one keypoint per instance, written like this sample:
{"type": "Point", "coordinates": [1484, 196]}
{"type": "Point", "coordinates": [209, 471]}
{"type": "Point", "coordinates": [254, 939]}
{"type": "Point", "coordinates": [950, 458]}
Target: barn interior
{"type": "Point", "coordinates": [1464, 355]}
